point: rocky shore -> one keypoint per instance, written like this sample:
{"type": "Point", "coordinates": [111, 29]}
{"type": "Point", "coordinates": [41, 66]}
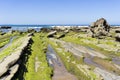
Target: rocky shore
{"type": "Point", "coordinates": [63, 53]}
{"type": "Point", "coordinates": [9, 65]}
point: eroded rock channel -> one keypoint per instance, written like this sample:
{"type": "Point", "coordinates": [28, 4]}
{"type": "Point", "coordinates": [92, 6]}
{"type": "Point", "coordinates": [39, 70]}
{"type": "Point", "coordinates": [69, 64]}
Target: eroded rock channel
{"type": "Point", "coordinates": [88, 55]}
{"type": "Point", "coordinates": [60, 72]}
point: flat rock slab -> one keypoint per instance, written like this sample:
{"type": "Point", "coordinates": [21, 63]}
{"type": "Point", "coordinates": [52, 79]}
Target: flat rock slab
{"type": "Point", "coordinates": [78, 50]}
{"type": "Point", "coordinates": [106, 75]}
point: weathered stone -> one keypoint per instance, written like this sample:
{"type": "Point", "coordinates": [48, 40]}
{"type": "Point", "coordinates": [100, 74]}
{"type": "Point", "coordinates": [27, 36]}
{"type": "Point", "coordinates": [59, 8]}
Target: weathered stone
{"type": "Point", "coordinates": [117, 37]}
{"type": "Point", "coordinates": [100, 28]}
{"type": "Point", "coordinates": [51, 34]}
{"type": "Point", "coordinates": [101, 23]}
{"type": "Point", "coordinates": [10, 60]}
{"type": "Point", "coordinates": [12, 72]}
{"type": "Point", "coordinates": [61, 36]}
{"type": "Point", "coordinates": [117, 31]}
{"type": "Point", "coordinates": [45, 29]}
{"type": "Point", "coordinates": [31, 34]}
{"type": "Point", "coordinates": [66, 31]}
{"type": "Point", "coordinates": [106, 75]}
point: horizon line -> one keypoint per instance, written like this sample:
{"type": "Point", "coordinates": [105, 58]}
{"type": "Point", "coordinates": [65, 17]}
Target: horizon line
{"type": "Point", "coordinates": [51, 24]}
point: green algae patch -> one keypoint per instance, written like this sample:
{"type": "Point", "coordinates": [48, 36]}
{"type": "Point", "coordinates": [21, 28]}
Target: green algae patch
{"type": "Point", "coordinates": [4, 39]}
{"type": "Point", "coordinates": [12, 47]}
{"type": "Point", "coordinates": [37, 65]}
{"type": "Point", "coordinates": [107, 46]}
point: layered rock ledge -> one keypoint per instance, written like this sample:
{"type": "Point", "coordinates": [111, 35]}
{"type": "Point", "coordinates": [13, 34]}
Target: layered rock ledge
{"type": "Point", "coordinates": [10, 61]}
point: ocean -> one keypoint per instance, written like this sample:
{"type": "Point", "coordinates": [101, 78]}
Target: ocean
{"type": "Point", "coordinates": [36, 27]}
{"type": "Point", "coordinates": [24, 27]}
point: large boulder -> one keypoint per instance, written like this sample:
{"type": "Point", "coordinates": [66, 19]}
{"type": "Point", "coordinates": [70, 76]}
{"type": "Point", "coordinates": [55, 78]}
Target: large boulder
{"type": "Point", "coordinates": [100, 28]}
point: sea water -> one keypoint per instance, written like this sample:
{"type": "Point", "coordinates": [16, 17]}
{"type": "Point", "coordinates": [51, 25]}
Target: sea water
{"type": "Point", "coordinates": [25, 27]}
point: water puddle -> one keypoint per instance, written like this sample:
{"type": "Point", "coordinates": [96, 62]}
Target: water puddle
{"type": "Point", "coordinates": [51, 56]}
{"type": "Point", "coordinates": [11, 39]}
{"type": "Point", "coordinates": [89, 60]}
{"type": "Point", "coordinates": [116, 60]}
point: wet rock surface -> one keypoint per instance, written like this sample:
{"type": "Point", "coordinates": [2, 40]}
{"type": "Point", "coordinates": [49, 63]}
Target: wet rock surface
{"type": "Point", "coordinates": [106, 75]}
{"type": "Point", "coordinates": [60, 72]}
{"type": "Point", "coordinates": [89, 55]}
{"type": "Point", "coordinates": [11, 39]}
{"type": "Point", "coordinates": [78, 50]}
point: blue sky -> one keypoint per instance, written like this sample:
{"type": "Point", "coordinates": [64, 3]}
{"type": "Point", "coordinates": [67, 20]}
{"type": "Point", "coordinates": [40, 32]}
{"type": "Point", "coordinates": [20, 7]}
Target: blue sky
{"type": "Point", "coordinates": [58, 11]}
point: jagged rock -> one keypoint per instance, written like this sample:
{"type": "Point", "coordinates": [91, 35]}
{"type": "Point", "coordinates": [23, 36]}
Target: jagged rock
{"type": "Point", "coordinates": [12, 72]}
{"type": "Point", "coordinates": [100, 28]}
{"type": "Point", "coordinates": [117, 37]}
{"type": "Point", "coordinates": [101, 23]}
{"type": "Point", "coordinates": [51, 34]}
{"type": "Point", "coordinates": [5, 27]}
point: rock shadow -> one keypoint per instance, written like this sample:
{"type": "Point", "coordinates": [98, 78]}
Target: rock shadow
{"type": "Point", "coordinates": [22, 62]}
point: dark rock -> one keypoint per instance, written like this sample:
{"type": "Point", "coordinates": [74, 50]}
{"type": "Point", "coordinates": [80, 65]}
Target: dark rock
{"type": "Point", "coordinates": [5, 27]}
{"type": "Point", "coordinates": [45, 30]}
{"type": "Point", "coordinates": [117, 31]}
{"type": "Point", "coordinates": [117, 37]}
{"type": "Point", "coordinates": [2, 33]}
{"type": "Point", "coordinates": [21, 33]}
{"type": "Point", "coordinates": [31, 30]}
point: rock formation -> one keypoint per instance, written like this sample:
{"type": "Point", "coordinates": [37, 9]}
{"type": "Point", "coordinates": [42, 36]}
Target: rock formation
{"type": "Point", "coordinates": [100, 28]}
{"type": "Point", "coordinates": [116, 30]}
{"type": "Point", "coordinates": [60, 35]}
{"type": "Point", "coordinates": [117, 37]}
{"type": "Point", "coordinates": [8, 62]}
{"type": "Point", "coordinates": [106, 75]}
{"type": "Point", "coordinates": [51, 34]}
